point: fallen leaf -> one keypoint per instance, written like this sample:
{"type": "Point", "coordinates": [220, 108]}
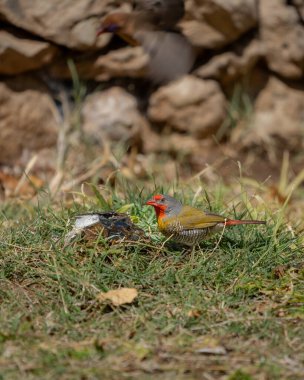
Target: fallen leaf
{"type": "Point", "coordinates": [279, 271]}
{"type": "Point", "coordinates": [194, 313]}
{"type": "Point", "coordinates": [119, 296]}
{"type": "Point", "coordinates": [13, 186]}
{"type": "Point", "coordinates": [281, 313]}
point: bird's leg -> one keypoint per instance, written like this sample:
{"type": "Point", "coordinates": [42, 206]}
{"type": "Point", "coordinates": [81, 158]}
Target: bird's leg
{"type": "Point", "coordinates": [193, 253]}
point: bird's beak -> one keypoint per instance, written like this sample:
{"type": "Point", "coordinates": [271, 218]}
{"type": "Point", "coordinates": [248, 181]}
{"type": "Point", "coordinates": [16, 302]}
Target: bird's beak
{"type": "Point", "coordinates": [151, 202]}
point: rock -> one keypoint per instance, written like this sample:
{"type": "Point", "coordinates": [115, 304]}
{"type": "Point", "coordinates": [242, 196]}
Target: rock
{"type": "Point", "coordinates": [299, 5]}
{"type": "Point", "coordinates": [201, 34]}
{"type": "Point", "coordinates": [282, 33]}
{"type": "Point", "coordinates": [125, 62]}
{"type": "Point", "coordinates": [189, 105]}
{"type": "Point", "coordinates": [215, 23]}
{"type": "Point", "coordinates": [129, 62]}
{"type": "Point", "coordinates": [278, 112]}
{"type": "Point", "coordinates": [112, 115]}
{"type": "Point", "coordinates": [70, 23]}
{"type": "Point", "coordinates": [19, 54]}
{"type": "Point", "coordinates": [230, 65]}
{"type": "Point", "coordinates": [29, 120]}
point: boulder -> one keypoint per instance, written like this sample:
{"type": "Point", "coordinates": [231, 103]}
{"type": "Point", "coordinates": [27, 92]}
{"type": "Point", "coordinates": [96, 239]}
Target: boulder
{"type": "Point", "coordinates": [282, 33]}
{"type": "Point", "coordinates": [129, 62]}
{"type": "Point", "coordinates": [278, 113]}
{"type": "Point", "coordinates": [29, 120]}
{"type": "Point", "coordinates": [213, 24]}
{"type": "Point", "coordinates": [190, 105]}
{"type": "Point", "coordinates": [299, 5]}
{"type": "Point", "coordinates": [230, 65]}
{"type": "Point", "coordinates": [112, 116]}
{"type": "Point", "coordinates": [70, 23]}
{"type": "Point", "coordinates": [19, 54]}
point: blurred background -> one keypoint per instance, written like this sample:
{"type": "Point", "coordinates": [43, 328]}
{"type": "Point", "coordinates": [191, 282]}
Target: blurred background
{"type": "Point", "coordinates": [75, 108]}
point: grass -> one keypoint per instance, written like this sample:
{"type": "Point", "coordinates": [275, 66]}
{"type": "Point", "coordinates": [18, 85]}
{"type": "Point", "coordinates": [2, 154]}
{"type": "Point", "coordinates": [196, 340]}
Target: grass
{"type": "Point", "coordinates": [242, 291]}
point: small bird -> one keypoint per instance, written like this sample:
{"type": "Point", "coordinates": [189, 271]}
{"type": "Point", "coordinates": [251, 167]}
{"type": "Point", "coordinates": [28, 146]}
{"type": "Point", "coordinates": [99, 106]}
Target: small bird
{"type": "Point", "coordinates": [186, 224]}
{"type": "Point", "coordinates": [153, 25]}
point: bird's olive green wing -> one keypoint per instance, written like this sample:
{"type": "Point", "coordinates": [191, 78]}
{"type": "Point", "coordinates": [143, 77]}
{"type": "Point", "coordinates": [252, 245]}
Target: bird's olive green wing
{"type": "Point", "coordinates": [163, 13]}
{"type": "Point", "coordinates": [192, 218]}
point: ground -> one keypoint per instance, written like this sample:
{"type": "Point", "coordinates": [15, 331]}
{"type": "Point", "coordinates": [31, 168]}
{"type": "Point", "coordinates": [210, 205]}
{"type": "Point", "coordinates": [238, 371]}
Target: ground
{"type": "Point", "coordinates": [231, 309]}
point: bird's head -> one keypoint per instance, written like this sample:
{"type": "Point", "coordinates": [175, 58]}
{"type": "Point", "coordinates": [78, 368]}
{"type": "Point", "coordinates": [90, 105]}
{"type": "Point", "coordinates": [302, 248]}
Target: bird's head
{"type": "Point", "coordinates": [113, 23]}
{"type": "Point", "coordinates": [164, 205]}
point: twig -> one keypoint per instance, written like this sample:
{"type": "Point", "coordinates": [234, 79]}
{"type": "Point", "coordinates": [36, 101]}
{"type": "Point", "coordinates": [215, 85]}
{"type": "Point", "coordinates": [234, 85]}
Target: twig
{"type": "Point", "coordinates": [220, 238]}
{"type": "Point", "coordinates": [65, 308]}
{"type": "Point", "coordinates": [24, 177]}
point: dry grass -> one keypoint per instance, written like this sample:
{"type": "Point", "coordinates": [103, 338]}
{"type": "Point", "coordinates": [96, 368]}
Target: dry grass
{"type": "Point", "coordinates": [231, 310]}
{"type": "Point", "coordinates": [239, 298]}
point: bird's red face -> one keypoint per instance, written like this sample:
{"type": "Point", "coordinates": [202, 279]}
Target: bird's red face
{"type": "Point", "coordinates": [159, 203]}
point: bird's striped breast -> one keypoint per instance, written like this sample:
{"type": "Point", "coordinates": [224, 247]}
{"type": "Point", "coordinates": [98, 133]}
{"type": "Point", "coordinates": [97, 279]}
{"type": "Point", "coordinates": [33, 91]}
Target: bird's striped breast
{"type": "Point", "coordinates": [183, 235]}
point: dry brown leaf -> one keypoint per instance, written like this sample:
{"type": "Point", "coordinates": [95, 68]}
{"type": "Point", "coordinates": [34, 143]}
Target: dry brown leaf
{"type": "Point", "coordinates": [194, 313]}
{"type": "Point", "coordinates": [119, 296]}
{"type": "Point", "coordinates": [12, 186]}
{"type": "Point", "coordinates": [279, 271]}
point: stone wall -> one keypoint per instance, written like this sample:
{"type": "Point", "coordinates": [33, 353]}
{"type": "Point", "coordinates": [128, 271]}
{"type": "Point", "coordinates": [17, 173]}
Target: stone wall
{"type": "Point", "coordinates": [258, 44]}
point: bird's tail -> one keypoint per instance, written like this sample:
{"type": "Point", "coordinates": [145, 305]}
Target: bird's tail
{"type": "Point", "coordinates": [231, 222]}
